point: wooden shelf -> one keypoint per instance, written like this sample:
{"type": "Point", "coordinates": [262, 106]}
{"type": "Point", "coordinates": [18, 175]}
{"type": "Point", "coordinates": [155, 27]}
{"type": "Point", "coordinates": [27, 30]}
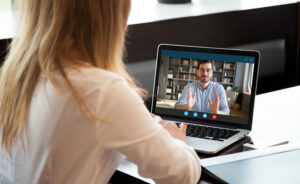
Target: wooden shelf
{"type": "Point", "coordinates": [227, 74]}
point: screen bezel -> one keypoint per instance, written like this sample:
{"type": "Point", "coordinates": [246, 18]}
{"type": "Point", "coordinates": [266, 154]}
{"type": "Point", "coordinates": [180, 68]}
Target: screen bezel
{"type": "Point", "coordinates": [219, 123]}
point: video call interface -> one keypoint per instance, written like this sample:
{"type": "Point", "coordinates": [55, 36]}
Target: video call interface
{"type": "Point", "coordinates": [210, 86]}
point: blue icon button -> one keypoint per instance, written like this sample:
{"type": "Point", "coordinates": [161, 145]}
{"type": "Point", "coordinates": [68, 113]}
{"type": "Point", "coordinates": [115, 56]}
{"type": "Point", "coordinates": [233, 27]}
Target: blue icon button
{"type": "Point", "coordinates": [204, 115]}
{"type": "Point", "coordinates": [186, 113]}
{"type": "Point", "coordinates": [195, 114]}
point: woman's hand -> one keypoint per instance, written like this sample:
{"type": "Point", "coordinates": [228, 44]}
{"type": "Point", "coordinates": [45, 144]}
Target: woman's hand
{"type": "Point", "coordinates": [171, 127]}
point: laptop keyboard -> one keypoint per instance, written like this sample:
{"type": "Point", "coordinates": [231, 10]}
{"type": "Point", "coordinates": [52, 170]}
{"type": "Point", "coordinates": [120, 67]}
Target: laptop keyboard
{"type": "Point", "coordinates": [212, 133]}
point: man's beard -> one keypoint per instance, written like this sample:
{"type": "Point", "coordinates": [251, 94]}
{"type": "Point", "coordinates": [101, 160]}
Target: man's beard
{"type": "Point", "coordinates": [204, 79]}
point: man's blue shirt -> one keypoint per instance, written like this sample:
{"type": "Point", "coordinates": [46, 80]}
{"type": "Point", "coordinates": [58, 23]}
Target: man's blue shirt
{"type": "Point", "coordinates": [202, 95]}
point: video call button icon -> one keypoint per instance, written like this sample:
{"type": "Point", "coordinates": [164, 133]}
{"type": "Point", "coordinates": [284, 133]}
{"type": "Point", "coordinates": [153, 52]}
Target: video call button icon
{"type": "Point", "coordinates": [195, 114]}
{"type": "Point", "coordinates": [186, 113]}
{"type": "Point", "coordinates": [204, 115]}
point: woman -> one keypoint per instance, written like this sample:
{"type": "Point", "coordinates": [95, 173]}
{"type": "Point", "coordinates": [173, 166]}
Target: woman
{"type": "Point", "coordinates": [68, 107]}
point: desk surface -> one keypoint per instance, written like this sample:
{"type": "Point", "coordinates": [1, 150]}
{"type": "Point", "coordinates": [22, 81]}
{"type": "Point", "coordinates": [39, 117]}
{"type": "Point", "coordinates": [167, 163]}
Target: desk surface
{"type": "Point", "coordinates": [144, 11]}
{"type": "Point", "coordinates": [277, 115]}
{"type": "Point", "coordinates": [151, 11]}
{"type": "Point", "coordinates": [274, 165]}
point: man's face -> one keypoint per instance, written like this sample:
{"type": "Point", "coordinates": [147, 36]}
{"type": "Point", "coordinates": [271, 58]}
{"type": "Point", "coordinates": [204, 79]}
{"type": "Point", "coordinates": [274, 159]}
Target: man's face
{"type": "Point", "coordinates": [204, 72]}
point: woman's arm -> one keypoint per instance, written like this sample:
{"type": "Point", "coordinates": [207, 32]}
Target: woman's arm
{"type": "Point", "coordinates": [132, 130]}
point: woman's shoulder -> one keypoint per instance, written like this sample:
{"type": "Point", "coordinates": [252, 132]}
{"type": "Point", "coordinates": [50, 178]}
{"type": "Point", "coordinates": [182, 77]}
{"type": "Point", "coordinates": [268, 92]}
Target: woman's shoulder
{"type": "Point", "coordinates": [91, 81]}
{"type": "Point", "coordinates": [93, 76]}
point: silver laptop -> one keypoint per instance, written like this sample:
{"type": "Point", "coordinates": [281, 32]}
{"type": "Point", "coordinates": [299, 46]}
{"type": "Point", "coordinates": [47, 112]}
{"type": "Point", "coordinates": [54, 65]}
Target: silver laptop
{"type": "Point", "coordinates": [210, 89]}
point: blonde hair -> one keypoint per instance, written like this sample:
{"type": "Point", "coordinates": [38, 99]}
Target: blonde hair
{"type": "Point", "coordinates": [97, 29]}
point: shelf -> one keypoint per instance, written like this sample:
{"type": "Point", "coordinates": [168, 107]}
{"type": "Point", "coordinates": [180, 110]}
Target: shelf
{"type": "Point", "coordinates": [229, 69]}
{"type": "Point", "coordinates": [184, 79]}
{"type": "Point", "coordinates": [218, 71]}
{"type": "Point", "coordinates": [179, 79]}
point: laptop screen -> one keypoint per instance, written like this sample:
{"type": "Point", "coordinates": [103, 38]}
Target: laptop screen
{"type": "Point", "coordinates": [215, 85]}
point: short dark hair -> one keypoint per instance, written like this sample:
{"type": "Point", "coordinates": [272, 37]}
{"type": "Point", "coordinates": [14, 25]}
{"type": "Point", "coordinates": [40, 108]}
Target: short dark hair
{"type": "Point", "coordinates": [203, 62]}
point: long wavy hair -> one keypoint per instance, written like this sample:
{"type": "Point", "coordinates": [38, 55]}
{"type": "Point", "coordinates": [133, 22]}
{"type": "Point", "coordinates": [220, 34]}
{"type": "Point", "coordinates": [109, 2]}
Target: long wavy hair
{"type": "Point", "coordinates": [96, 28]}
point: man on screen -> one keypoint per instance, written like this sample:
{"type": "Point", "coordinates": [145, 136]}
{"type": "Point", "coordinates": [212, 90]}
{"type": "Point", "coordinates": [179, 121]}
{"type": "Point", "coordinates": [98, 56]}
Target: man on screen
{"type": "Point", "coordinates": [204, 95]}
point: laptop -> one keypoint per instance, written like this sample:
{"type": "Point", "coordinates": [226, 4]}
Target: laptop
{"type": "Point", "coordinates": [210, 89]}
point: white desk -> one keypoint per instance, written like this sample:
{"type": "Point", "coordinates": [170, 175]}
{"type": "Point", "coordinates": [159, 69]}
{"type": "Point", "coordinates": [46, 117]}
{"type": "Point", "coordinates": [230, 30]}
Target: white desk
{"type": "Point", "coordinates": [277, 115]}
{"type": "Point", "coordinates": [144, 11]}
{"type": "Point", "coordinates": [8, 24]}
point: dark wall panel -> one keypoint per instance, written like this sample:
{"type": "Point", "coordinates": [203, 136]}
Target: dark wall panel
{"type": "Point", "coordinates": [225, 30]}
{"type": "Point", "coordinates": [3, 49]}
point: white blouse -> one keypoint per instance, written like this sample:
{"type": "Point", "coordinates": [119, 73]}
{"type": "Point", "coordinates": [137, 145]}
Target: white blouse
{"type": "Point", "coordinates": [63, 146]}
